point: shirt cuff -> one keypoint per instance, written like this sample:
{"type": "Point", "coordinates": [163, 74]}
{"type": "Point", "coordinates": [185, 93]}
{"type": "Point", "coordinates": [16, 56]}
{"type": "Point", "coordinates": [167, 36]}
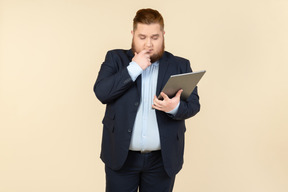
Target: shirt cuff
{"type": "Point", "coordinates": [134, 70]}
{"type": "Point", "coordinates": [175, 110]}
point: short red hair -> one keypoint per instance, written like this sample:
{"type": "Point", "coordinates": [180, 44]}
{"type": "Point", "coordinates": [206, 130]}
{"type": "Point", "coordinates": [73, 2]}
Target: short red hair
{"type": "Point", "coordinates": [148, 16]}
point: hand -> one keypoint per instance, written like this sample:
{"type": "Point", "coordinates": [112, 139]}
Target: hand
{"type": "Point", "coordinates": [166, 104]}
{"type": "Point", "coordinates": [142, 59]}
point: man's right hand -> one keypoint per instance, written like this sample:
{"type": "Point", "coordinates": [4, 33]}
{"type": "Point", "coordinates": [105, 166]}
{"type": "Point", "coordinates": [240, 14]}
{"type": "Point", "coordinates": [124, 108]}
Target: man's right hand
{"type": "Point", "coordinates": [142, 59]}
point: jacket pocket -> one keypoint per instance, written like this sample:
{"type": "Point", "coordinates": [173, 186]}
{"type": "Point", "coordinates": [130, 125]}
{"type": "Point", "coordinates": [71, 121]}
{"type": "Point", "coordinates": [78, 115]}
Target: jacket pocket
{"type": "Point", "coordinates": [108, 122]}
{"type": "Point", "coordinates": [180, 134]}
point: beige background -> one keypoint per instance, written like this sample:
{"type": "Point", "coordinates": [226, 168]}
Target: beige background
{"type": "Point", "coordinates": [50, 54]}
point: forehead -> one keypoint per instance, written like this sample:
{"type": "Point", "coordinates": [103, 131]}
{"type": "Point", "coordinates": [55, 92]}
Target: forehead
{"type": "Point", "coordinates": [153, 28]}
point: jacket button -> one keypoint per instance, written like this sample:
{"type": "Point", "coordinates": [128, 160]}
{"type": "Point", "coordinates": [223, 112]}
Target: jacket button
{"type": "Point", "coordinates": [129, 130]}
{"type": "Point", "coordinates": [136, 103]}
{"type": "Point", "coordinates": [126, 81]}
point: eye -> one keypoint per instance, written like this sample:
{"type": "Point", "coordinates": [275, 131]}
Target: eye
{"type": "Point", "coordinates": [155, 37]}
{"type": "Point", "coordinates": [142, 37]}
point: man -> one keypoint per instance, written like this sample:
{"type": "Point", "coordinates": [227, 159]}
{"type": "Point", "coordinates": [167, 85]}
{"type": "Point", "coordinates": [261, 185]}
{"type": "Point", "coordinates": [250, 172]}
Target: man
{"type": "Point", "coordinates": [143, 137]}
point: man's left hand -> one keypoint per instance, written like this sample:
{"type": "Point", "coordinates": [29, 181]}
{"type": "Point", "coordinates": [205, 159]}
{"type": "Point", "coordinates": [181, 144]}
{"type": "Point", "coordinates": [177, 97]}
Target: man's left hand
{"type": "Point", "coordinates": [166, 104]}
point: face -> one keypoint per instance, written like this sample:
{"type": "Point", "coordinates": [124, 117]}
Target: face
{"type": "Point", "coordinates": [149, 37]}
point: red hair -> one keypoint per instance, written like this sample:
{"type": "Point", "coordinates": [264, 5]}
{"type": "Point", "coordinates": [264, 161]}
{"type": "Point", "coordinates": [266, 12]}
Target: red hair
{"type": "Point", "coordinates": [148, 16]}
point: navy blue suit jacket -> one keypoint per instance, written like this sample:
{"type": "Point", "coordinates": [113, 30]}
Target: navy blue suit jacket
{"type": "Point", "coordinates": [115, 88]}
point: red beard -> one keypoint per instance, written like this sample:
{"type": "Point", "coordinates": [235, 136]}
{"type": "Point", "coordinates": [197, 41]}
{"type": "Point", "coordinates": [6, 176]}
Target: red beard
{"type": "Point", "coordinates": [155, 57]}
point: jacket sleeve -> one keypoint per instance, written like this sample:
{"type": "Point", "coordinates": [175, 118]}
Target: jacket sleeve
{"type": "Point", "coordinates": [113, 79]}
{"type": "Point", "coordinates": [190, 107]}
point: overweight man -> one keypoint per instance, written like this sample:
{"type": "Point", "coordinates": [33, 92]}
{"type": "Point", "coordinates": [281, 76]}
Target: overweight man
{"type": "Point", "coordinates": [143, 136]}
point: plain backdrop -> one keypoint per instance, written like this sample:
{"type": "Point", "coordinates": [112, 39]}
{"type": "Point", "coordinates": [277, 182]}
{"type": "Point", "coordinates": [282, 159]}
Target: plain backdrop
{"type": "Point", "coordinates": [50, 119]}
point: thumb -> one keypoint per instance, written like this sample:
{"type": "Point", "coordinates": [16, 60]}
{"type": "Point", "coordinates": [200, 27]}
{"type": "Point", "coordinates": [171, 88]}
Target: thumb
{"type": "Point", "coordinates": [178, 94]}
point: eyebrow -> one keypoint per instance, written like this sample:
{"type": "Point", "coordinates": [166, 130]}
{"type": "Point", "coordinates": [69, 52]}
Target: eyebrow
{"type": "Point", "coordinates": [156, 35]}
{"type": "Point", "coordinates": [142, 35]}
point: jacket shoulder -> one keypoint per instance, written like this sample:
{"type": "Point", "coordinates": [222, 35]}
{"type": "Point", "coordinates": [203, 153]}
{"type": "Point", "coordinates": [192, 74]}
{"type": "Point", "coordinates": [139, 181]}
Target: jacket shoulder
{"type": "Point", "coordinates": [170, 56]}
{"type": "Point", "coordinates": [120, 52]}
{"type": "Point", "coordinates": [179, 62]}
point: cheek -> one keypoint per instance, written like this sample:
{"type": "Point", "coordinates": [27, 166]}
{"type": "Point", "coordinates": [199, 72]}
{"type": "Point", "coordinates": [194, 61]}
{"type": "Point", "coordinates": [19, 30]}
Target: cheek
{"type": "Point", "coordinates": [139, 44]}
{"type": "Point", "coordinates": [158, 45]}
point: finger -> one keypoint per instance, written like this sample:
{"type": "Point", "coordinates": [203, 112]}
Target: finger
{"type": "Point", "coordinates": [155, 100]}
{"type": "Point", "coordinates": [155, 107]}
{"type": "Point", "coordinates": [164, 96]}
{"type": "Point", "coordinates": [179, 93]}
{"type": "Point", "coordinates": [147, 55]}
{"type": "Point", "coordinates": [156, 103]}
{"type": "Point", "coordinates": [143, 51]}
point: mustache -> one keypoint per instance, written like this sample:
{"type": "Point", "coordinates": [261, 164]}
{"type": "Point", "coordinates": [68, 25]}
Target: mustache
{"type": "Point", "coordinates": [156, 56]}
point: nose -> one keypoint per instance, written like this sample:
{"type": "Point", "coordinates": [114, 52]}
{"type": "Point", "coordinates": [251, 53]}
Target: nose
{"type": "Point", "coordinates": [148, 42]}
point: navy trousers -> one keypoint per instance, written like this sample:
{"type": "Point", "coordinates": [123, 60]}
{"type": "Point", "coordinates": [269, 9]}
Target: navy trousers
{"type": "Point", "coordinates": [141, 170]}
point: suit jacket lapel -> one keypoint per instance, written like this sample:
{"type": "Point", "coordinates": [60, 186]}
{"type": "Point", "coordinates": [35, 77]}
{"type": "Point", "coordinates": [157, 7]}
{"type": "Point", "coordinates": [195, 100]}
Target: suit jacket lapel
{"type": "Point", "coordinates": [162, 77]}
{"type": "Point", "coordinates": [138, 84]}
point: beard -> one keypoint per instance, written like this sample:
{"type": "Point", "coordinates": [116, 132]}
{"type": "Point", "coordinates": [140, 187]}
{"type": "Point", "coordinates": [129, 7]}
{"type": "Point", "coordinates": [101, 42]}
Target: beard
{"type": "Point", "coordinates": [156, 56]}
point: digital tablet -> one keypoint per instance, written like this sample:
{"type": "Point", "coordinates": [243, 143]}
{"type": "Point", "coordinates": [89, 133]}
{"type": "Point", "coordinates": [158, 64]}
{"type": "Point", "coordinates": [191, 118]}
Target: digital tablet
{"type": "Point", "coordinates": [185, 81]}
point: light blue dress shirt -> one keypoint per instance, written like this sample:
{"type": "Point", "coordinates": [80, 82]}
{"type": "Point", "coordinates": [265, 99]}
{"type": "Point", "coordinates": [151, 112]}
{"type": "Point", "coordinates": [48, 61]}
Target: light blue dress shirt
{"type": "Point", "coordinates": [145, 134]}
